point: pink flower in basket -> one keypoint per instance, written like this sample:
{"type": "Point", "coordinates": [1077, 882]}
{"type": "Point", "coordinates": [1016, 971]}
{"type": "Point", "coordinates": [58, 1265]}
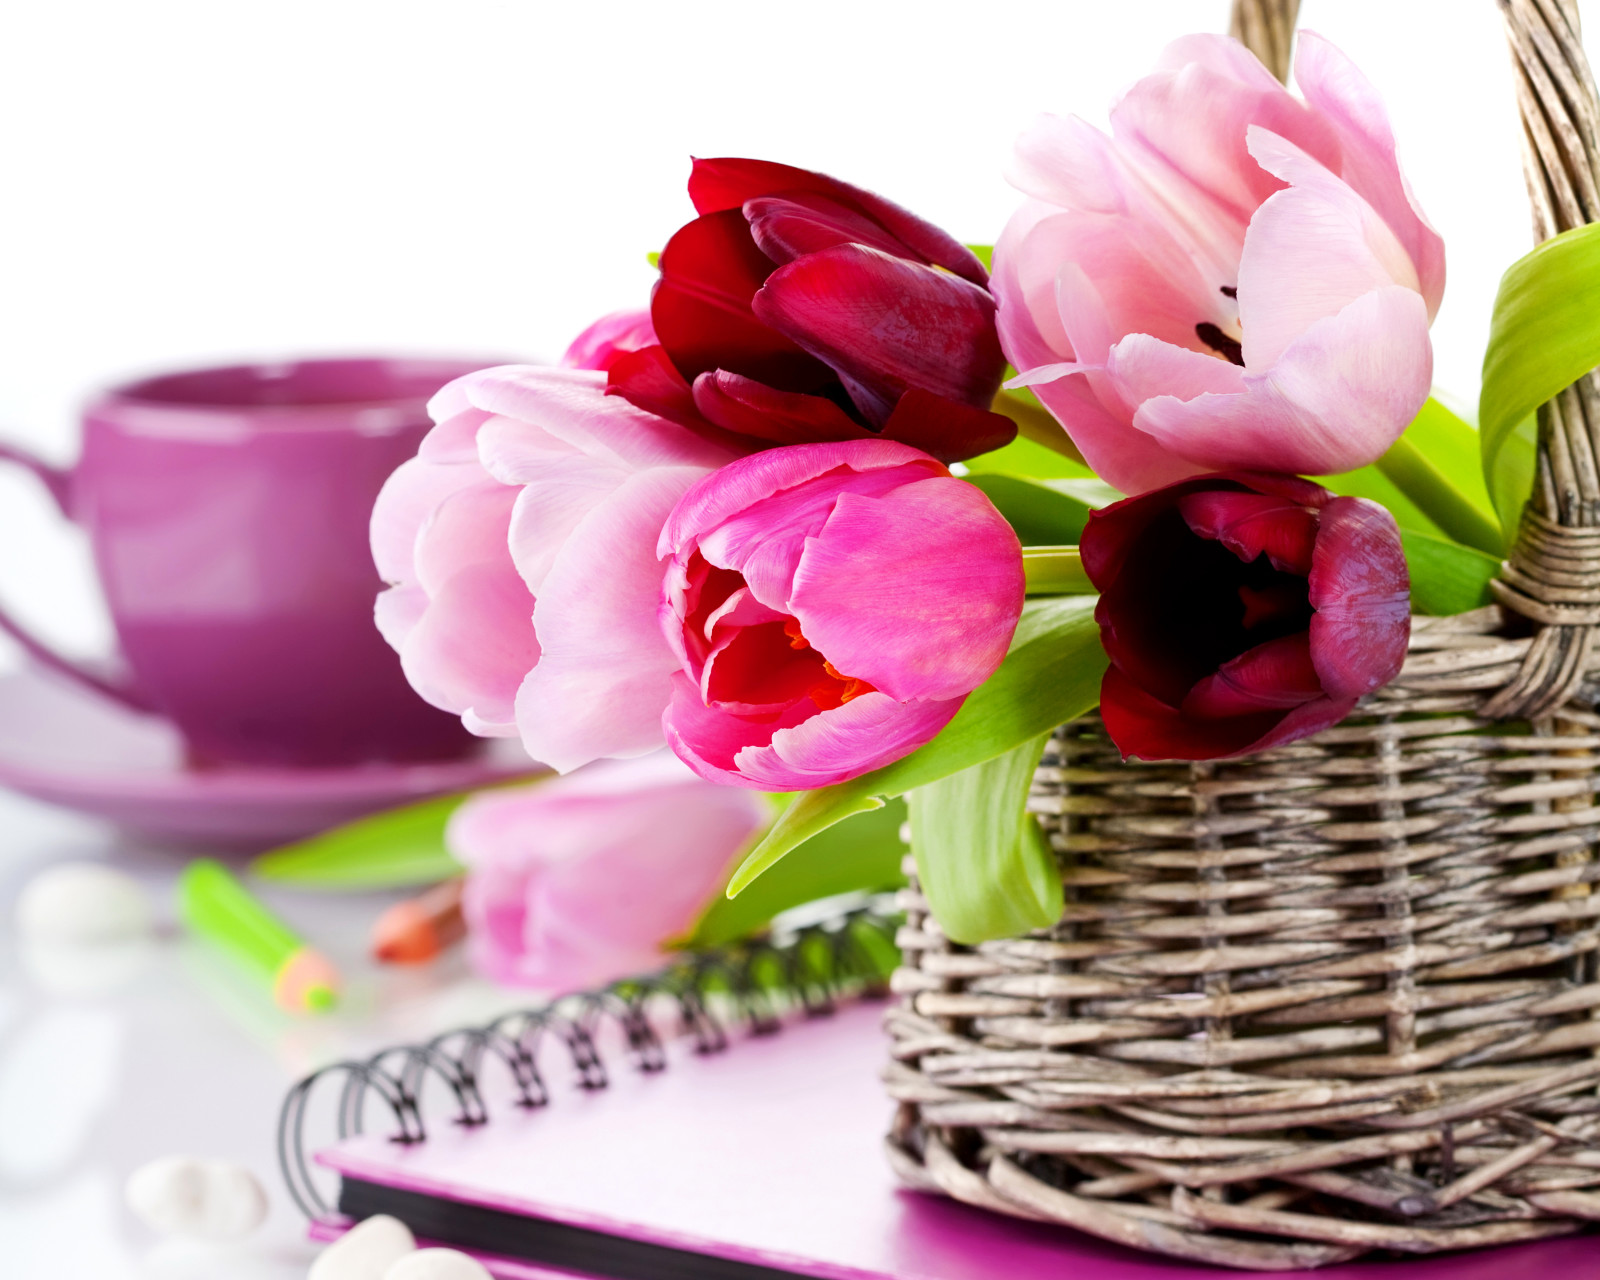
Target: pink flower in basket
{"type": "Point", "coordinates": [610, 338]}
{"type": "Point", "coordinates": [832, 605]}
{"type": "Point", "coordinates": [1242, 611]}
{"type": "Point", "coordinates": [521, 545]}
{"type": "Point", "coordinates": [1233, 278]}
{"type": "Point", "coordinates": [578, 881]}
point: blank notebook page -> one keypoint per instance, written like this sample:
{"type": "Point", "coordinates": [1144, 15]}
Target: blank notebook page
{"type": "Point", "coordinates": [771, 1153]}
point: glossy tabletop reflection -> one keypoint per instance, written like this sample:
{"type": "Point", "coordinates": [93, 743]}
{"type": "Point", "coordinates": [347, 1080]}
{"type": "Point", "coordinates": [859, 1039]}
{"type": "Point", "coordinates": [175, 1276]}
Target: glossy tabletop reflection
{"type": "Point", "coordinates": [108, 1062]}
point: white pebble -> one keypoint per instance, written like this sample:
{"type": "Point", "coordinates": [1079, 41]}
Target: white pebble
{"type": "Point", "coordinates": [82, 904]}
{"type": "Point", "coordinates": [366, 1251]}
{"type": "Point", "coordinates": [205, 1199]}
{"type": "Point", "coordinates": [437, 1264]}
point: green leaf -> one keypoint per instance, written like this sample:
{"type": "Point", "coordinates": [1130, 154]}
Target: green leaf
{"type": "Point", "coordinates": [1544, 335]}
{"type": "Point", "coordinates": [1430, 480]}
{"type": "Point", "coordinates": [1446, 578]}
{"type": "Point", "coordinates": [1055, 571]}
{"type": "Point", "coordinates": [654, 259]}
{"type": "Point", "coordinates": [985, 866]}
{"type": "Point", "coordinates": [863, 853]}
{"type": "Point", "coordinates": [1044, 512]}
{"type": "Point", "coordinates": [984, 254]}
{"type": "Point", "coordinates": [1022, 457]}
{"type": "Point", "coordinates": [400, 847]}
{"type": "Point", "coordinates": [1431, 464]}
{"type": "Point", "coordinates": [1036, 425]}
{"type": "Point", "coordinates": [1051, 674]}
{"type": "Point", "coordinates": [1369, 482]}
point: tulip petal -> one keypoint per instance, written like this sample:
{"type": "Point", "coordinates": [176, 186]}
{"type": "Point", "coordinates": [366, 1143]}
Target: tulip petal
{"type": "Point", "coordinates": [821, 748]}
{"type": "Point", "coordinates": [1144, 728]}
{"type": "Point", "coordinates": [609, 338]}
{"type": "Point", "coordinates": [1275, 676]}
{"type": "Point", "coordinates": [725, 495]}
{"type": "Point", "coordinates": [710, 270]}
{"type": "Point", "coordinates": [1254, 524]}
{"type": "Point", "coordinates": [648, 379]}
{"type": "Point", "coordinates": [1145, 367]}
{"type": "Point", "coordinates": [1184, 127]}
{"type": "Point", "coordinates": [580, 880]}
{"type": "Point", "coordinates": [884, 324]}
{"type": "Point", "coordinates": [796, 223]}
{"type": "Point", "coordinates": [916, 592]}
{"type": "Point", "coordinates": [948, 429]}
{"type": "Point", "coordinates": [1340, 395]}
{"type": "Point", "coordinates": [1360, 588]}
{"type": "Point", "coordinates": [473, 643]}
{"type": "Point", "coordinates": [396, 611]}
{"type": "Point", "coordinates": [1370, 162]}
{"type": "Point", "coordinates": [728, 182]}
{"type": "Point", "coordinates": [764, 542]}
{"type": "Point", "coordinates": [542, 411]}
{"type": "Point", "coordinates": [752, 408]}
{"type": "Point", "coordinates": [603, 676]}
{"type": "Point", "coordinates": [468, 528]}
{"type": "Point", "coordinates": [1311, 251]}
{"type": "Point", "coordinates": [756, 670]}
{"type": "Point", "coordinates": [408, 498]}
{"type": "Point", "coordinates": [547, 511]}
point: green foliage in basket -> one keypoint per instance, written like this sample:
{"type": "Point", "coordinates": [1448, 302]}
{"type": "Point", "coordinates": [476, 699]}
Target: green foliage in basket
{"type": "Point", "coordinates": [985, 866]}
{"type": "Point", "coordinates": [1545, 334]}
{"type": "Point", "coordinates": [863, 853]}
{"type": "Point", "coordinates": [1051, 674]}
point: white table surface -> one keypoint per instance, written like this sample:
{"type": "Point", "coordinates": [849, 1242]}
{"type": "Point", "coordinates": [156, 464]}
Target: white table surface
{"type": "Point", "coordinates": [170, 1051]}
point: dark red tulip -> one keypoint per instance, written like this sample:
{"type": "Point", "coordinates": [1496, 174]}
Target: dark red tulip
{"type": "Point", "coordinates": [1242, 611]}
{"type": "Point", "coordinates": [799, 309]}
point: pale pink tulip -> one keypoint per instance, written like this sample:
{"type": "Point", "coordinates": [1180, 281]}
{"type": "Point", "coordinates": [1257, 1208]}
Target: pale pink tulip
{"type": "Point", "coordinates": [521, 545]}
{"type": "Point", "coordinates": [832, 605]}
{"type": "Point", "coordinates": [578, 881]}
{"type": "Point", "coordinates": [1234, 278]}
{"type": "Point", "coordinates": [610, 338]}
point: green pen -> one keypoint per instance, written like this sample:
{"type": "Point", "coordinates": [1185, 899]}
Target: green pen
{"type": "Point", "coordinates": [216, 906]}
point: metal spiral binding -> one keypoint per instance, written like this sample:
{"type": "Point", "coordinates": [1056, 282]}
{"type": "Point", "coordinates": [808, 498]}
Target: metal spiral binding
{"type": "Point", "coordinates": [805, 966]}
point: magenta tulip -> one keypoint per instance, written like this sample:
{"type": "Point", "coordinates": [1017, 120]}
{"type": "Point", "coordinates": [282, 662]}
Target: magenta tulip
{"type": "Point", "coordinates": [831, 605]}
{"type": "Point", "coordinates": [578, 881]}
{"type": "Point", "coordinates": [1233, 278]}
{"type": "Point", "coordinates": [1242, 611]}
{"type": "Point", "coordinates": [520, 543]}
{"type": "Point", "coordinates": [798, 308]}
{"type": "Point", "coordinates": [610, 338]}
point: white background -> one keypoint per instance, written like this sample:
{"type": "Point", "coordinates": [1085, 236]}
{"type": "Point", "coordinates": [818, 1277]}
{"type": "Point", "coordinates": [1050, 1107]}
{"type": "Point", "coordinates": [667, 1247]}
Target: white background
{"type": "Point", "coordinates": [189, 181]}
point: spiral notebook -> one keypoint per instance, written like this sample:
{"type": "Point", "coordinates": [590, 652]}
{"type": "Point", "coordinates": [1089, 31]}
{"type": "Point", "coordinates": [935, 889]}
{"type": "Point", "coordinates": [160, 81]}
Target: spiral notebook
{"type": "Point", "coordinates": [763, 1162]}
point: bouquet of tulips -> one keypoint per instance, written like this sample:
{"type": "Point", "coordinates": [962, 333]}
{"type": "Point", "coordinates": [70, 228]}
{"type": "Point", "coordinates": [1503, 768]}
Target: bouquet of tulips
{"type": "Point", "coordinates": [854, 510]}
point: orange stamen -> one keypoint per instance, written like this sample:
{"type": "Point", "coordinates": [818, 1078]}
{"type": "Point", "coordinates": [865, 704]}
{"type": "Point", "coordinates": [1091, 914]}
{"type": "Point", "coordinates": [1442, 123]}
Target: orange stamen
{"type": "Point", "coordinates": [791, 629]}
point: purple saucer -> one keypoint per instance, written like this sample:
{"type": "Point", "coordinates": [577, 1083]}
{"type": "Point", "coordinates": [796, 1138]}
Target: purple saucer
{"type": "Point", "coordinates": [63, 745]}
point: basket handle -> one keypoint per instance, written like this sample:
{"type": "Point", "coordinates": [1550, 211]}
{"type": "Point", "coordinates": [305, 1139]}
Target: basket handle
{"type": "Point", "coordinates": [1266, 28]}
{"type": "Point", "coordinates": [1551, 574]}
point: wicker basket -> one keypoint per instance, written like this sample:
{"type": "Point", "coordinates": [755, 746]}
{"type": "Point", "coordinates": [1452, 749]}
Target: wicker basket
{"type": "Point", "coordinates": [1344, 995]}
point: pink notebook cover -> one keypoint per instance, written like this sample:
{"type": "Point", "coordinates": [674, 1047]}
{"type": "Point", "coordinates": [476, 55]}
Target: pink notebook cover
{"type": "Point", "coordinates": [771, 1153]}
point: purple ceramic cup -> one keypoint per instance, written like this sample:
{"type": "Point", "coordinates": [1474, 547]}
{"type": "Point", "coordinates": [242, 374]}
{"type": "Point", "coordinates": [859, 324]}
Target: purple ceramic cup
{"type": "Point", "coordinates": [227, 510]}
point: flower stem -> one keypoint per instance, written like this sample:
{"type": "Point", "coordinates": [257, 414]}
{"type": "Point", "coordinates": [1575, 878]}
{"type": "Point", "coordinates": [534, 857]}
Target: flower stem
{"type": "Point", "coordinates": [1034, 421]}
{"type": "Point", "coordinates": [1410, 471]}
{"type": "Point", "coordinates": [1055, 571]}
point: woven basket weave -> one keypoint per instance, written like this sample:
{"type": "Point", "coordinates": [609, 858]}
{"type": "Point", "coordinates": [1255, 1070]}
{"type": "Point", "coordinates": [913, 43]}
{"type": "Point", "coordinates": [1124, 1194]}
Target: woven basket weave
{"type": "Point", "coordinates": [1342, 996]}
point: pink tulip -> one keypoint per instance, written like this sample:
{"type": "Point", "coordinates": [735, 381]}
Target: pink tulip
{"type": "Point", "coordinates": [521, 545]}
{"type": "Point", "coordinates": [831, 605]}
{"type": "Point", "coordinates": [1234, 278]}
{"type": "Point", "coordinates": [610, 338]}
{"type": "Point", "coordinates": [578, 881]}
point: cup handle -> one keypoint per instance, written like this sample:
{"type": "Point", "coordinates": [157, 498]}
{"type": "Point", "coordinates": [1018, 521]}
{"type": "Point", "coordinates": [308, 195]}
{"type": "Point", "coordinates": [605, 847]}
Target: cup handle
{"type": "Point", "coordinates": [58, 483]}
